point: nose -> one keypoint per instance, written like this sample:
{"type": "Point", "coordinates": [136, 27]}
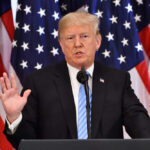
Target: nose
{"type": "Point", "coordinates": [78, 42]}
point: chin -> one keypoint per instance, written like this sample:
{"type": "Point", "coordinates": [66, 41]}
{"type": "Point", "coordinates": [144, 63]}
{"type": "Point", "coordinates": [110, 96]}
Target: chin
{"type": "Point", "coordinates": [81, 65]}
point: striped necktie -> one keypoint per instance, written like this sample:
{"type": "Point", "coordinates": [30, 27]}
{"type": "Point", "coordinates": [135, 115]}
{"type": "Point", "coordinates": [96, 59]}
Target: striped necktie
{"type": "Point", "coordinates": [82, 116]}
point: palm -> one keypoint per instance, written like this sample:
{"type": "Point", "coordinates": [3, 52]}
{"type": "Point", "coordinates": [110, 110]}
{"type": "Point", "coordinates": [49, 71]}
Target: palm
{"type": "Point", "coordinates": [12, 102]}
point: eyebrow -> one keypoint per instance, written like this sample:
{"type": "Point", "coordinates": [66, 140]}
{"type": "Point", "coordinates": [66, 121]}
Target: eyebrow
{"type": "Point", "coordinates": [79, 34]}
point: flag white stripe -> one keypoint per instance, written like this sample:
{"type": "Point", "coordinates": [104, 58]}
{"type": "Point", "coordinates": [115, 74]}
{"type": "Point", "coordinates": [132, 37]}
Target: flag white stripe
{"type": "Point", "coordinates": [139, 88]}
{"type": "Point", "coordinates": [5, 46]}
{"type": "Point", "coordinates": [147, 62]}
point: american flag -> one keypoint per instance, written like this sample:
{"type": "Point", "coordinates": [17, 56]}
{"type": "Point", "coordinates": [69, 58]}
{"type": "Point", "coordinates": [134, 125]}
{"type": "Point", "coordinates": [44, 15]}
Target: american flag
{"type": "Point", "coordinates": [6, 37]}
{"type": "Point", "coordinates": [35, 35]}
{"type": "Point", "coordinates": [35, 44]}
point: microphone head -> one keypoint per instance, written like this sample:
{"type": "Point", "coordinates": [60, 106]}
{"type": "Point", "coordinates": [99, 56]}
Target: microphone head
{"type": "Point", "coordinates": [82, 77]}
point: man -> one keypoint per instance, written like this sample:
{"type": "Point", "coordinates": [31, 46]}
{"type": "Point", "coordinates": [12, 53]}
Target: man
{"type": "Point", "coordinates": [48, 108]}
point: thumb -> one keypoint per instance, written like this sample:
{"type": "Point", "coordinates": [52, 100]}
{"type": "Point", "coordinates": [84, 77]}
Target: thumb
{"type": "Point", "coordinates": [26, 93]}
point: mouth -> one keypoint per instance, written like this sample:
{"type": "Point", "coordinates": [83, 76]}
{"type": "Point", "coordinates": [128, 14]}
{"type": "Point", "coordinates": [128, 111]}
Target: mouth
{"type": "Point", "coordinates": [79, 53]}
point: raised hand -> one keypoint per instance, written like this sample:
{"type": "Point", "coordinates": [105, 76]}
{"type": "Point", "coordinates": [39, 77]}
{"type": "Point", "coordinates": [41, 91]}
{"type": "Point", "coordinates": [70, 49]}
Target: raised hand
{"type": "Point", "coordinates": [12, 102]}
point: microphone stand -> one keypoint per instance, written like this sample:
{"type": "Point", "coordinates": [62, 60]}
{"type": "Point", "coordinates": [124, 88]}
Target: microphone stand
{"type": "Point", "coordinates": [87, 109]}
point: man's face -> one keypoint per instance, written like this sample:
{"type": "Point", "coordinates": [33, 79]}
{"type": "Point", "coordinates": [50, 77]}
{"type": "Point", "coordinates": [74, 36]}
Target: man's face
{"type": "Point", "coordinates": [79, 45]}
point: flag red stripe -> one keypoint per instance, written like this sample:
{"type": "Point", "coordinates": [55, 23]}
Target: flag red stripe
{"type": "Point", "coordinates": [2, 69]}
{"type": "Point", "coordinates": [143, 72]}
{"type": "Point", "coordinates": [4, 144]}
{"type": "Point", "coordinates": [8, 24]}
{"type": "Point", "coordinates": [145, 40]}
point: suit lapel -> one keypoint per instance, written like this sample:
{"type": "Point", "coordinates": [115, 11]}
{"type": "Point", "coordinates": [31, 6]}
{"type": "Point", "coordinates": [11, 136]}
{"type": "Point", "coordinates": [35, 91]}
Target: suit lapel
{"type": "Point", "coordinates": [66, 97]}
{"type": "Point", "coordinates": [98, 93]}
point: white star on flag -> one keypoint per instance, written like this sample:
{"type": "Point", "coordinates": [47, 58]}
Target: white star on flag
{"type": "Point", "coordinates": [27, 10]}
{"type": "Point", "coordinates": [14, 43]}
{"type": "Point", "coordinates": [17, 25]}
{"type": "Point", "coordinates": [106, 53]}
{"type": "Point", "coordinates": [64, 7]}
{"type": "Point", "coordinates": [140, 2]}
{"type": "Point", "coordinates": [41, 12]}
{"type": "Point", "coordinates": [24, 64]}
{"type": "Point", "coordinates": [41, 30]}
{"type": "Point", "coordinates": [99, 14]}
{"type": "Point", "coordinates": [127, 25]}
{"type": "Point", "coordinates": [139, 47]}
{"type": "Point", "coordinates": [26, 28]}
{"type": "Point", "coordinates": [18, 7]}
{"type": "Point", "coordinates": [54, 51]}
{"type": "Point", "coordinates": [110, 36]}
{"type": "Point", "coordinates": [137, 18]}
{"type": "Point", "coordinates": [55, 33]}
{"type": "Point", "coordinates": [38, 66]}
{"type": "Point", "coordinates": [122, 59]}
{"type": "Point", "coordinates": [116, 2]}
{"type": "Point", "coordinates": [113, 19]}
{"type": "Point", "coordinates": [129, 8]}
{"type": "Point", "coordinates": [25, 46]}
{"type": "Point", "coordinates": [56, 15]}
{"type": "Point", "coordinates": [40, 48]}
{"type": "Point", "coordinates": [56, 1]}
{"type": "Point", "coordinates": [124, 42]}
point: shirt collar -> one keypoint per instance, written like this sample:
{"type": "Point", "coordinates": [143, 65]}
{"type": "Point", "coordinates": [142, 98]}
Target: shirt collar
{"type": "Point", "coordinates": [74, 70]}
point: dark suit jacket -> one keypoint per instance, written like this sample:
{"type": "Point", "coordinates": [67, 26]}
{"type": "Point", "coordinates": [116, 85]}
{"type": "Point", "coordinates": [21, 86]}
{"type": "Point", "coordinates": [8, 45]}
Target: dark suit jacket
{"type": "Point", "coordinates": [50, 110]}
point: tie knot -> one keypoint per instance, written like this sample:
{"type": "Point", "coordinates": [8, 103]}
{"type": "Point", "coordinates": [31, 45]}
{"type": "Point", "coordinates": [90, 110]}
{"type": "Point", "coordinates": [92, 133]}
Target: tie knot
{"type": "Point", "coordinates": [88, 74]}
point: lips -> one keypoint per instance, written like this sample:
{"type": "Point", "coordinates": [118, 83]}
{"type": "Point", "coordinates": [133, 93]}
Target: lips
{"type": "Point", "coordinates": [79, 53]}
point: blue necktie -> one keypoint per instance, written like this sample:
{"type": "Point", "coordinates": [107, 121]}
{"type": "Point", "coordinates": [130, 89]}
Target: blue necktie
{"type": "Point", "coordinates": [82, 117]}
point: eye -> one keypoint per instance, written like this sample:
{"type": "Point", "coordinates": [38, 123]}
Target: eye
{"type": "Point", "coordinates": [69, 38]}
{"type": "Point", "coordinates": [84, 36]}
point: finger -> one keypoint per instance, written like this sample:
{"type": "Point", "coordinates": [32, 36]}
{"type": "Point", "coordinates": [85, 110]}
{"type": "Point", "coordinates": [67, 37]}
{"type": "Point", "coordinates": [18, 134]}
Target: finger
{"type": "Point", "coordinates": [0, 96]}
{"type": "Point", "coordinates": [7, 81]}
{"type": "Point", "coordinates": [26, 93]}
{"type": "Point", "coordinates": [13, 81]}
{"type": "Point", "coordinates": [3, 86]}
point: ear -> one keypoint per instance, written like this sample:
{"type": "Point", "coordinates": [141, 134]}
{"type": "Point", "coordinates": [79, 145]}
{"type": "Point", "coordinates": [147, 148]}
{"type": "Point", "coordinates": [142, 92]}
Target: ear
{"type": "Point", "coordinates": [61, 45]}
{"type": "Point", "coordinates": [98, 41]}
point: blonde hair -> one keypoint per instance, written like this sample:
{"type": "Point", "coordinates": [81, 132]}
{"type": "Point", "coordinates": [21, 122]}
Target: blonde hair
{"type": "Point", "coordinates": [78, 18]}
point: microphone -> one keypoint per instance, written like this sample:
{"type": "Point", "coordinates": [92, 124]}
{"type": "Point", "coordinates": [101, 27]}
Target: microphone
{"type": "Point", "coordinates": [82, 77]}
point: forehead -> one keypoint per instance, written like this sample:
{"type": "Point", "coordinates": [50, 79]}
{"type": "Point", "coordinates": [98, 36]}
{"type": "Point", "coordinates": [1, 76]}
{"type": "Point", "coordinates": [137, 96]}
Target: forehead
{"type": "Point", "coordinates": [78, 29]}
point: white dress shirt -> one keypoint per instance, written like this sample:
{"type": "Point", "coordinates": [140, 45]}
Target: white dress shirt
{"type": "Point", "coordinates": [76, 85]}
{"type": "Point", "coordinates": [75, 89]}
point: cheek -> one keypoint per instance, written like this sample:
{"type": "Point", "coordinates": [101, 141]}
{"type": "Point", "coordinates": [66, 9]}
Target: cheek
{"type": "Point", "coordinates": [64, 48]}
{"type": "Point", "coordinates": [92, 48]}
{"type": "Point", "coordinates": [68, 52]}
